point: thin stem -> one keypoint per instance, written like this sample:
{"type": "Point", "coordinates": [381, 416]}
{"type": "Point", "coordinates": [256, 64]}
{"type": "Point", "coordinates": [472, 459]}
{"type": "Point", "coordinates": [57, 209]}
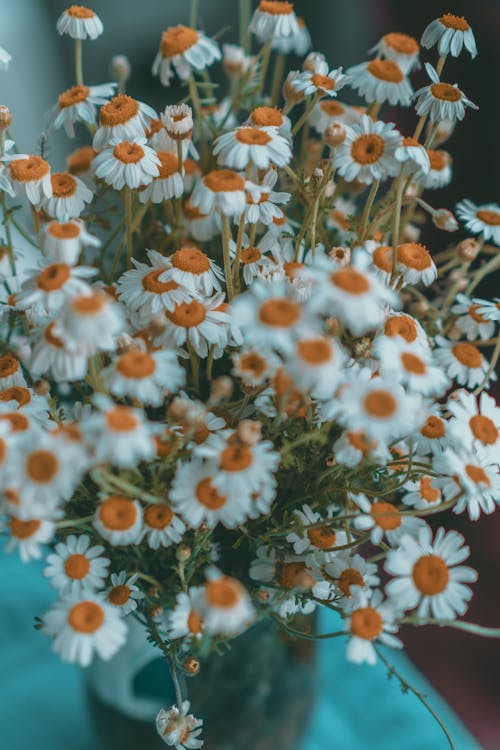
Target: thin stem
{"type": "Point", "coordinates": [440, 65]}
{"type": "Point", "coordinates": [239, 243]}
{"type": "Point", "coordinates": [78, 62]}
{"type": "Point", "coordinates": [395, 227]}
{"type": "Point", "coordinates": [128, 225]}
{"type": "Point", "coordinates": [306, 113]}
{"type": "Point", "coordinates": [367, 209]}
{"type": "Point", "coordinates": [488, 267]}
{"type": "Point", "coordinates": [193, 16]}
{"type": "Point", "coordinates": [468, 627]}
{"type": "Point", "coordinates": [226, 236]}
{"type": "Point", "coordinates": [245, 10]}
{"type": "Point", "coordinates": [279, 69]}
{"type": "Point", "coordinates": [266, 55]}
{"type": "Point", "coordinates": [180, 158]}
{"type": "Point", "coordinates": [308, 636]}
{"type": "Point", "coordinates": [24, 233]}
{"type": "Point", "coordinates": [195, 366]}
{"type": "Point", "coordinates": [491, 368]}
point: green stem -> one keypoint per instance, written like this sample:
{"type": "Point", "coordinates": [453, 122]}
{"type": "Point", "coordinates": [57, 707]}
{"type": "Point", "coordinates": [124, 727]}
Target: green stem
{"type": "Point", "coordinates": [128, 225]}
{"type": "Point", "coordinates": [493, 363]}
{"type": "Point", "coordinates": [306, 113]}
{"type": "Point", "coordinates": [279, 70]}
{"type": "Point", "coordinates": [193, 16]}
{"type": "Point", "coordinates": [226, 236]}
{"type": "Point", "coordinates": [395, 227]}
{"type": "Point", "coordinates": [195, 366]}
{"type": "Point", "coordinates": [367, 209]}
{"type": "Point", "coordinates": [266, 55]}
{"type": "Point", "coordinates": [78, 62]}
{"type": "Point", "coordinates": [245, 10]}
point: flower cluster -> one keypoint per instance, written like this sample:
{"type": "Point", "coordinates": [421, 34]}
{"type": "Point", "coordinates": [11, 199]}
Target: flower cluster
{"type": "Point", "coordinates": [234, 383]}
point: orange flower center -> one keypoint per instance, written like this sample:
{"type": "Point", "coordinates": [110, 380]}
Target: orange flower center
{"type": "Point", "coordinates": [117, 513]}
{"type": "Point", "coordinates": [401, 325]}
{"type": "Point", "coordinates": [279, 313]}
{"type": "Point", "coordinates": [413, 364]}
{"type": "Point", "coordinates": [53, 277]}
{"type": "Point", "coordinates": [386, 516]}
{"type": "Point", "coordinates": [401, 43]}
{"type": "Point", "coordinates": [224, 592]}
{"type": "Point", "coordinates": [16, 393]}
{"type": "Point", "coordinates": [8, 365]}
{"type": "Point", "coordinates": [467, 354]}
{"type": "Point", "coordinates": [91, 304]}
{"type": "Point", "coordinates": [386, 70]}
{"type": "Point", "coordinates": [18, 422]}
{"type": "Point", "coordinates": [136, 365]}
{"type": "Point", "coordinates": [380, 404]}
{"type": "Point", "coordinates": [276, 7]}
{"type": "Point", "coordinates": [381, 258]}
{"type": "Point", "coordinates": [367, 148]}
{"type": "Point", "coordinates": [194, 622]}
{"type": "Point", "coordinates": [128, 152]}
{"type": "Point", "coordinates": [315, 351]}
{"type": "Point", "coordinates": [208, 495]}
{"type": "Point", "coordinates": [489, 217]}
{"type": "Point", "coordinates": [477, 317]}
{"type": "Point", "coordinates": [454, 22]}
{"type": "Point", "coordinates": [477, 474]}
{"type": "Point", "coordinates": [67, 231]}
{"type": "Point", "coordinates": [250, 255]}
{"type": "Point", "coordinates": [322, 537]}
{"type": "Point", "coordinates": [332, 107]}
{"type": "Point", "coordinates": [42, 466]}
{"type": "Point", "coordinates": [252, 363]}
{"type": "Point", "coordinates": [76, 566]}
{"type": "Point", "coordinates": [350, 577]}
{"type": "Point", "coordinates": [79, 11]}
{"type": "Point", "coordinates": [430, 575]}
{"type": "Point", "coordinates": [192, 212]}
{"type": "Point", "coordinates": [63, 184]}
{"type": "Point", "coordinates": [150, 282]}
{"type": "Point", "coordinates": [31, 169]}
{"type": "Point", "coordinates": [51, 337]}
{"type": "Point", "coordinates": [322, 82]}
{"type": "Point", "coordinates": [445, 91]}
{"type": "Point", "coordinates": [484, 429]}
{"type": "Point", "coordinates": [23, 529]}
{"type": "Point", "coordinates": [119, 595]}
{"type": "Point", "coordinates": [158, 516]}
{"type": "Point", "coordinates": [187, 314]}
{"type": "Point", "coordinates": [413, 255]}
{"type": "Point", "coordinates": [409, 141]}
{"type": "Point", "coordinates": [121, 419]}
{"type": "Point", "coordinates": [118, 110]}
{"type": "Point", "coordinates": [434, 428]}
{"type": "Point", "coordinates": [74, 95]}
{"type": "Point", "coordinates": [267, 116]}
{"type": "Point", "coordinates": [350, 281]}
{"type": "Point", "coordinates": [289, 574]}
{"type": "Point", "coordinates": [291, 269]}
{"type": "Point", "coordinates": [438, 159]}
{"type": "Point", "coordinates": [177, 39]}
{"type": "Point", "coordinates": [236, 457]}
{"type": "Point", "coordinates": [191, 260]}
{"type": "Point", "coordinates": [224, 180]}
{"type": "Point", "coordinates": [359, 441]}
{"type": "Point", "coordinates": [366, 623]}
{"type": "Point", "coordinates": [252, 136]}
{"type": "Point", "coordinates": [80, 160]}
{"type": "Point", "coordinates": [169, 164]}
{"type": "Point", "coordinates": [86, 617]}
{"type": "Point", "coordinates": [428, 493]}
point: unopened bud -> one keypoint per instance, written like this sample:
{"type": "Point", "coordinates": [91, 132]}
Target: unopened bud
{"type": "Point", "coordinates": [222, 389]}
{"type": "Point", "coordinates": [335, 134]}
{"type": "Point", "coordinates": [411, 233]}
{"type": "Point", "coordinates": [317, 175]}
{"type": "Point", "coordinates": [157, 325]}
{"type": "Point", "coordinates": [41, 387]}
{"type": "Point", "coordinates": [312, 60]}
{"type": "Point", "coordinates": [290, 93]}
{"type": "Point", "coordinates": [191, 665]}
{"type": "Point", "coordinates": [341, 255]}
{"type": "Point", "coordinates": [444, 220]}
{"type": "Point", "coordinates": [263, 596]}
{"type": "Point", "coordinates": [155, 612]}
{"type": "Point", "coordinates": [183, 552]}
{"type": "Point", "coordinates": [420, 308]}
{"type": "Point", "coordinates": [332, 326]}
{"type": "Point", "coordinates": [468, 250]}
{"type": "Point", "coordinates": [362, 347]}
{"type": "Point", "coordinates": [126, 343]}
{"type": "Point", "coordinates": [120, 68]}
{"type": "Point", "coordinates": [329, 189]}
{"type": "Point", "coordinates": [177, 410]}
{"type": "Point", "coordinates": [304, 581]}
{"type": "Point", "coordinates": [249, 432]}
{"type": "Point", "coordinates": [5, 117]}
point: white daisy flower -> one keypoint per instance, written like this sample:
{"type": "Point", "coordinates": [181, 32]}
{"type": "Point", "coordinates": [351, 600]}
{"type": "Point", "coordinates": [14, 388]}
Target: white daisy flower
{"type": "Point", "coordinates": [183, 49]}
{"type": "Point", "coordinates": [161, 526]}
{"type": "Point", "coordinates": [253, 367]}
{"type": "Point", "coordinates": [201, 227]}
{"type": "Point", "coordinates": [383, 519]}
{"type": "Point", "coordinates": [258, 146]}
{"type": "Point", "coordinates": [30, 177]}
{"type": "Point", "coordinates": [222, 189]}
{"type": "Point", "coordinates": [429, 577]}
{"type": "Point", "coordinates": [489, 309]}
{"type": "Point", "coordinates": [11, 373]}
{"type": "Point", "coordinates": [451, 33]}
{"type": "Point", "coordinates": [228, 607]}
{"type": "Point", "coordinates": [123, 593]}
{"type": "Point", "coordinates": [69, 196]}
{"type": "Point", "coordinates": [78, 104]}
{"type": "Point", "coordinates": [84, 626]}
{"type": "Point", "coordinates": [127, 163]}
{"type": "Point", "coordinates": [328, 111]}
{"type": "Point", "coordinates": [75, 566]}
{"type": "Point", "coordinates": [240, 468]}
{"type": "Point", "coordinates": [401, 48]}
{"type": "Point", "coordinates": [469, 321]}
{"type": "Point", "coordinates": [177, 120]}
{"type": "Point", "coordinates": [317, 365]}
{"type": "Point", "coordinates": [186, 618]}
{"type": "Point", "coordinates": [143, 377]}
{"type": "Point", "coordinates": [475, 424]}
{"type": "Point", "coordinates": [262, 200]}
{"type": "Point", "coordinates": [168, 184]}
{"type": "Point", "coordinates": [441, 101]}
{"type": "Point", "coordinates": [49, 288]}
{"type": "Point", "coordinates": [483, 219]}
{"type": "Point", "coordinates": [196, 323]}
{"type": "Point", "coordinates": [194, 270]}
{"type": "Point", "coordinates": [439, 174]}
{"type": "Point", "coordinates": [411, 366]}
{"type": "Point", "coordinates": [354, 446]}
{"type": "Point", "coordinates": [474, 475]}
{"type": "Point", "coordinates": [27, 537]}
{"type": "Point", "coordinates": [347, 571]}
{"type": "Point", "coordinates": [320, 537]}
{"type": "Point", "coordinates": [5, 59]}
{"type": "Point", "coordinates": [424, 494]}
{"type": "Point", "coordinates": [274, 20]}
{"type": "Point", "coordinates": [26, 402]}
{"type": "Point", "coordinates": [51, 355]}
{"type": "Point", "coordinates": [297, 44]}
{"type": "Point", "coordinates": [122, 119]}
{"type": "Point", "coordinates": [381, 81]}
{"type": "Point", "coordinates": [462, 361]}
{"type": "Point", "coordinates": [270, 117]}
{"type": "Point", "coordinates": [370, 619]}
{"type": "Point", "coordinates": [118, 434]}
{"type": "Point", "coordinates": [196, 498]}
{"type": "Point", "coordinates": [415, 264]}
{"type": "Point", "coordinates": [433, 436]}
{"type": "Point", "coordinates": [413, 156]}
{"type": "Point", "coordinates": [252, 259]}
{"type": "Point", "coordinates": [91, 323]}
{"type": "Point", "coordinates": [79, 22]}
{"type": "Point", "coordinates": [368, 152]}
{"type": "Point", "coordinates": [119, 520]}
{"type": "Point", "coordinates": [321, 80]}
{"type": "Point", "coordinates": [63, 242]}
{"type": "Point", "coordinates": [179, 730]}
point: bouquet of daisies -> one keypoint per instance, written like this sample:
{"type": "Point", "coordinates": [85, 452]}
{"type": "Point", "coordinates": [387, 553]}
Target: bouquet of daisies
{"type": "Point", "coordinates": [233, 383]}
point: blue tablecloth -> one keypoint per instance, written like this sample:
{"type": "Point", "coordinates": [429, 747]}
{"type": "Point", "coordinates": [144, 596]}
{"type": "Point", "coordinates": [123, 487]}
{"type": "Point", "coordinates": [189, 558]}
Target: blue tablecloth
{"type": "Point", "coordinates": [43, 705]}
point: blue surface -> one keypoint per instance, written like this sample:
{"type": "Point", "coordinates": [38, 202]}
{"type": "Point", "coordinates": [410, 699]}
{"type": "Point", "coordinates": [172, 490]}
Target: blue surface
{"type": "Point", "coordinates": [43, 704]}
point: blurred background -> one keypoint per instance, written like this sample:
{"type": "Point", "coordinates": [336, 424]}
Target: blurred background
{"type": "Point", "coordinates": [463, 668]}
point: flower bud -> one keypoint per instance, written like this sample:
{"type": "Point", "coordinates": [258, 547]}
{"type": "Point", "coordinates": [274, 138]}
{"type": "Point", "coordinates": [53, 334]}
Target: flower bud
{"type": "Point", "coordinates": [120, 68]}
{"type": "Point", "coordinates": [335, 134]}
{"type": "Point", "coordinates": [222, 389]}
{"type": "Point", "coordinates": [191, 665]}
{"type": "Point", "coordinates": [155, 612]}
{"type": "Point", "coordinates": [41, 387]}
{"type": "Point", "coordinates": [249, 432]}
{"type": "Point", "coordinates": [312, 59]}
{"type": "Point", "coordinates": [5, 117]}
{"type": "Point", "coordinates": [468, 250]}
{"type": "Point", "coordinates": [126, 343]}
{"type": "Point", "coordinates": [444, 220]}
{"type": "Point", "coordinates": [340, 255]}
{"type": "Point", "coordinates": [263, 596]}
{"type": "Point", "coordinates": [177, 410]}
{"type": "Point", "coordinates": [411, 233]}
{"type": "Point", "coordinates": [157, 325]}
{"type": "Point", "coordinates": [183, 552]}
{"type": "Point", "coordinates": [290, 93]}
